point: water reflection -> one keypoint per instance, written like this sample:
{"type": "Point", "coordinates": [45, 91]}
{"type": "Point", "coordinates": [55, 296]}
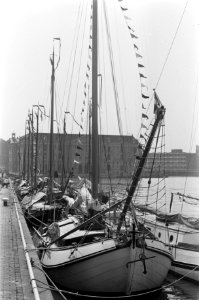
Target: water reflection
{"type": "Point", "coordinates": [181, 289]}
{"type": "Point", "coordinates": [175, 289]}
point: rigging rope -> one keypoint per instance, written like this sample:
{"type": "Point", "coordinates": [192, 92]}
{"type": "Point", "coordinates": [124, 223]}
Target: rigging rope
{"type": "Point", "coordinates": [172, 44]}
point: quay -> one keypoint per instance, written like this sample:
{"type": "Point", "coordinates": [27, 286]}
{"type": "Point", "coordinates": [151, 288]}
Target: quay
{"type": "Point", "coordinates": [20, 278]}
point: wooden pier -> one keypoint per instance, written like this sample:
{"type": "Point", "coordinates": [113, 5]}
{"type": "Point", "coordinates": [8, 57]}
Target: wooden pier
{"type": "Point", "coordinates": [16, 280]}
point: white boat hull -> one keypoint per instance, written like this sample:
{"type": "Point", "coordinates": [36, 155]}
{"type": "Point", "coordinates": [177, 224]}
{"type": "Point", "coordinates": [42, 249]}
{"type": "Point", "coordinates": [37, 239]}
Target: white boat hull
{"type": "Point", "coordinates": [186, 263]}
{"type": "Point", "coordinates": [184, 245]}
{"type": "Point", "coordinates": [101, 267]}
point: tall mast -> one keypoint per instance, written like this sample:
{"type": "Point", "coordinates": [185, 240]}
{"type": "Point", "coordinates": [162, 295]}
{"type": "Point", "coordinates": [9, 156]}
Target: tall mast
{"type": "Point", "coordinates": [51, 126]}
{"type": "Point", "coordinates": [36, 150]}
{"type": "Point", "coordinates": [159, 116]}
{"type": "Point", "coordinates": [32, 149]}
{"type": "Point", "coordinates": [95, 144]}
{"type": "Point", "coordinates": [24, 154]}
{"type": "Point", "coordinates": [28, 173]}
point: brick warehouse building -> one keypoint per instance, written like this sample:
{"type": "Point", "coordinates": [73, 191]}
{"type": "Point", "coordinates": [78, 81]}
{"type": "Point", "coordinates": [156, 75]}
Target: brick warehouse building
{"type": "Point", "coordinates": [116, 154]}
{"type": "Point", "coordinates": [113, 150]}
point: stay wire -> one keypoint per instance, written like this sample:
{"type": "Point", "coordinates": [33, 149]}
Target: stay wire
{"type": "Point", "coordinates": [172, 44]}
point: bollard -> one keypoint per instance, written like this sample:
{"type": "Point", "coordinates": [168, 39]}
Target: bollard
{"type": "Point", "coordinates": [5, 201]}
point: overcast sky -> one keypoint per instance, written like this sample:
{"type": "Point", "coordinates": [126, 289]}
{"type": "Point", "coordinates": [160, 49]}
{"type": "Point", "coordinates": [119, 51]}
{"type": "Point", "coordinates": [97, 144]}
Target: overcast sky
{"type": "Point", "coordinates": [27, 30]}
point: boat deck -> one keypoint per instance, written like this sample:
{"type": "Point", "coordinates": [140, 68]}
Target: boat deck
{"type": "Point", "coordinates": [15, 281]}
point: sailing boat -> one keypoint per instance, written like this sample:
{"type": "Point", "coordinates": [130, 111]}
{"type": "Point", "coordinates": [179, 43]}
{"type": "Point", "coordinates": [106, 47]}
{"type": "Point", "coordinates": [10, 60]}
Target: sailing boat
{"type": "Point", "coordinates": [181, 234]}
{"type": "Point", "coordinates": [123, 262]}
{"type": "Point", "coordinates": [44, 206]}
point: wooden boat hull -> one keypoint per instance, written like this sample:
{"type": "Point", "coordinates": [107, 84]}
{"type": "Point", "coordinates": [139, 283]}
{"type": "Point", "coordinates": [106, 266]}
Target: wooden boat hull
{"type": "Point", "coordinates": [102, 267]}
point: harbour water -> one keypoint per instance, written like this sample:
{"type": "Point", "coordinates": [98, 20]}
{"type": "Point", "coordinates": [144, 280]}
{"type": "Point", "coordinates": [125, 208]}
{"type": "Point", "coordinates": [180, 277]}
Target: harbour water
{"type": "Point", "coordinates": [174, 287]}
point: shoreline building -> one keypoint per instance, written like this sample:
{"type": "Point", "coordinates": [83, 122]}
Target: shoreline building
{"type": "Point", "coordinates": [29, 155]}
{"type": "Point", "coordinates": [71, 153]}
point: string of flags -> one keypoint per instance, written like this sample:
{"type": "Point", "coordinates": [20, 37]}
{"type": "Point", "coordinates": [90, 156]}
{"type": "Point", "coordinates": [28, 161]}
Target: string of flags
{"type": "Point", "coordinates": [85, 93]}
{"type": "Point", "coordinates": [142, 76]}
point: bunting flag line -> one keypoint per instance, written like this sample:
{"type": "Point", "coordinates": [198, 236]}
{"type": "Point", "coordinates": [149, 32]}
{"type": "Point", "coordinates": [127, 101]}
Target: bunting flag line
{"type": "Point", "coordinates": [144, 88]}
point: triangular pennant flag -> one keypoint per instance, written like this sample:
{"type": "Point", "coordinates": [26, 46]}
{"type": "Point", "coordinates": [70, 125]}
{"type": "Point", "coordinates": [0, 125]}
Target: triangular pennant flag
{"type": "Point", "coordinates": [76, 162]}
{"type": "Point", "coordinates": [137, 54]}
{"type": "Point", "coordinates": [141, 75]}
{"type": "Point", "coordinates": [143, 85]}
{"type": "Point", "coordinates": [127, 18]}
{"type": "Point", "coordinates": [145, 116]}
{"type": "Point", "coordinates": [143, 106]}
{"type": "Point", "coordinates": [143, 126]}
{"type": "Point", "coordinates": [123, 8]}
{"type": "Point", "coordinates": [145, 97]}
{"type": "Point", "coordinates": [140, 66]}
{"type": "Point", "coordinates": [134, 36]}
{"type": "Point", "coordinates": [142, 137]}
{"type": "Point", "coordinates": [79, 141]}
{"type": "Point", "coordinates": [77, 154]}
{"type": "Point", "coordinates": [90, 47]}
{"type": "Point", "coordinates": [78, 147]}
{"type": "Point", "coordinates": [88, 66]}
{"type": "Point", "coordinates": [135, 46]}
{"type": "Point", "coordinates": [130, 28]}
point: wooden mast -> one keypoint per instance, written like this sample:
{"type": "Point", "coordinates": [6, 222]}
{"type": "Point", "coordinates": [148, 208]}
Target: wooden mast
{"type": "Point", "coordinates": [24, 154]}
{"type": "Point", "coordinates": [51, 128]}
{"type": "Point", "coordinates": [159, 116]}
{"type": "Point", "coordinates": [95, 144]}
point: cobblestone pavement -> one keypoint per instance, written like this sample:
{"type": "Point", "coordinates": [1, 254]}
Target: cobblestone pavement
{"type": "Point", "coordinates": [14, 276]}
